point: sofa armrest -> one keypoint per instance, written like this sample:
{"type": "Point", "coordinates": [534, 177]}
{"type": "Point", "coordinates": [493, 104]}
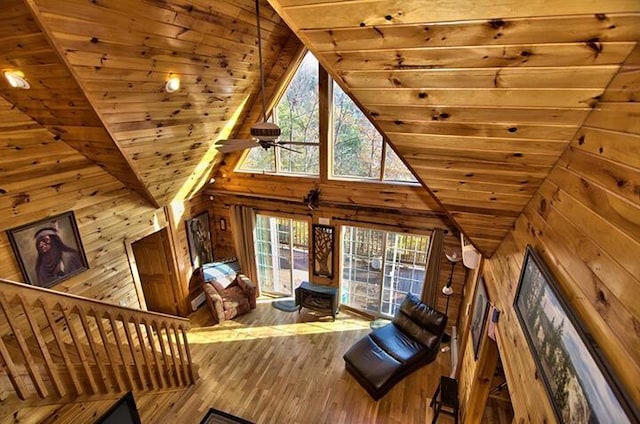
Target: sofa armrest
{"type": "Point", "coordinates": [248, 288]}
{"type": "Point", "coordinates": [214, 302]}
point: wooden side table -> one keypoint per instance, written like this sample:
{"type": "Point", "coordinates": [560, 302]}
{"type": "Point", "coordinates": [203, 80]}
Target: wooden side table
{"type": "Point", "coordinates": [318, 298]}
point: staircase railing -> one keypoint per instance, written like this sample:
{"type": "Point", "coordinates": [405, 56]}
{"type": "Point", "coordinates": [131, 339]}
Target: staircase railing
{"type": "Point", "coordinates": [56, 346]}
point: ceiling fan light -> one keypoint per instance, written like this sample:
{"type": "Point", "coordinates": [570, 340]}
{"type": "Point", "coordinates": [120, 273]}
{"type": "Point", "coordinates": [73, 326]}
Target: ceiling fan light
{"type": "Point", "coordinates": [265, 131]}
{"type": "Point", "coordinates": [172, 85]}
{"type": "Point", "coordinates": [16, 80]}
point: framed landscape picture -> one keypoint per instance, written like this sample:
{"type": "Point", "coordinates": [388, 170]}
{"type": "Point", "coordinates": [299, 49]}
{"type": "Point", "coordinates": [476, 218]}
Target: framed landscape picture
{"type": "Point", "coordinates": [479, 316]}
{"type": "Point", "coordinates": [580, 386]}
{"type": "Point", "coordinates": [199, 240]}
{"type": "Point", "coordinates": [48, 251]}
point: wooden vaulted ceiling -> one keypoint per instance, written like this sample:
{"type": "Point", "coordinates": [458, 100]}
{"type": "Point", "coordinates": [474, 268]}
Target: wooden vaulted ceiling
{"type": "Point", "coordinates": [98, 69]}
{"type": "Point", "coordinates": [479, 98]}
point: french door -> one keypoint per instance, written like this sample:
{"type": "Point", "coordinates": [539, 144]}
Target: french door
{"type": "Point", "coordinates": [282, 254]}
{"type": "Point", "coordinates": [380, 267]}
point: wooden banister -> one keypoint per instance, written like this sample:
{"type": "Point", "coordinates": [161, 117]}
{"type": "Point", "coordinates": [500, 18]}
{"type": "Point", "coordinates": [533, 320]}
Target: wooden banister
{"type": "Point", "coordinates": [57, 346]}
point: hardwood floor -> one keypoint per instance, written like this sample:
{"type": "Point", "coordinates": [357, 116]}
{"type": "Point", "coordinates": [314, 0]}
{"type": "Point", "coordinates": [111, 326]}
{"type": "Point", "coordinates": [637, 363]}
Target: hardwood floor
{"type": "Point", "coordinates": [270, 366]}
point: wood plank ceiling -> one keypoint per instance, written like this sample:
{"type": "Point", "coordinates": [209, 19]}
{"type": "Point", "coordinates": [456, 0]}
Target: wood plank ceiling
{"type": "Point", "coordinates": [54, 101]}
{"type": "Point", "coordinates": [479, 98]}
{"type": "Point", "coordinates": [120, 54]}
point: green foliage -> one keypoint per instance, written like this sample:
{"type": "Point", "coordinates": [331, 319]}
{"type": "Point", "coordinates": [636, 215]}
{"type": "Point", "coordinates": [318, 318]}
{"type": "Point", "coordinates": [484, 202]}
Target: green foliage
{"type": "Point", "coordinates": [357, 148]}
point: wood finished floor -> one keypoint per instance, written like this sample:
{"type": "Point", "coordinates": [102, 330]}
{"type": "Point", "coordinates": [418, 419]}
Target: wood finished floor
{"type": "Point", "coordinates": [270, 366]}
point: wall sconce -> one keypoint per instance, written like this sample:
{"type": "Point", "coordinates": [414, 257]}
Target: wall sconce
{"type": "Point", "coordinates": [172, 85]}
{"type": "Point", "coordinates": [16, 80]}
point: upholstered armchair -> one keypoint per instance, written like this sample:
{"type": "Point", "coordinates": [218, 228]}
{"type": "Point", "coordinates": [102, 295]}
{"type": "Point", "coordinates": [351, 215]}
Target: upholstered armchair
{"type": "Point", "coordinates": [228, 292]}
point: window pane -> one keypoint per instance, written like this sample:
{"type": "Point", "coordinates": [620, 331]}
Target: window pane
{"type": "Point", "coordinates": [357, 146]}
{"type": "Point", "coordinates": [305, 162]}
{"type": "Point", "coordinates": [259, 160]}
{"type": "Point", "coordinates": [394, 169]}
{"type": "Point", "coordinates": [379, 268]}
{"type": "Point", "coordinates": [282, 251]}
{"type": "Point", "coordinates": [297, 116]}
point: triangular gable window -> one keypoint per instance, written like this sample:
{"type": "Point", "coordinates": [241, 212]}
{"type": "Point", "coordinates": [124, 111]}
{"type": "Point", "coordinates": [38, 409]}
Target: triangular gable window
{"type": "Point", "coordinates": [357, 147]}
{"type": "Point", "coordinates": [297, 115]}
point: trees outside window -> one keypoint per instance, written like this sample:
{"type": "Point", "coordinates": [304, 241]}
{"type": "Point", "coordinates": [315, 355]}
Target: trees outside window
{"type": "Point", "coordinates": [297, 115]}
{"type": "Point", "coordinates": [357, 148]}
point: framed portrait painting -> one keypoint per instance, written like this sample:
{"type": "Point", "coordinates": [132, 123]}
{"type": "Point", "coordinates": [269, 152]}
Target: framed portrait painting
{"type": "Point", "coordinates": [580, 385]}
{"type": "Point", "coordinates": [323, 239]}
{"type": "Point", "coordinates": [199, 240]}
{"type": "Point", "coordinates": [479, 316]}
{"type": "Point", "coordinates": [48, 251]}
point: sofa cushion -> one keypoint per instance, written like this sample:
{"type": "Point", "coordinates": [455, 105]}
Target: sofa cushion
{"type": "Point", "coordinates": [371, 364]}
{"type": "Point", "coordinates": [398, 344]}
{"type": "Point", "coordinates": [420, 321]}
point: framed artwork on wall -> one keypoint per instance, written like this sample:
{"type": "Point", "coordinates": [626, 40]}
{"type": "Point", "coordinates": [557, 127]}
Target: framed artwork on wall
{"type": "Point", "coordinates": [199, 240]}
{"type": "Point", "coordinates": [323, 239]}
{"type": "Point", "coordinates": [579, 383]}
{"type": "Point", "coordinates": [49, 251]}
{"type": "Point", "coordinates": [479, 316]}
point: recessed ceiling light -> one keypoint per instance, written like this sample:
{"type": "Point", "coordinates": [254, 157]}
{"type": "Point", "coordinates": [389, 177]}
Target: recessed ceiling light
{"type": "Point", "coordinates": [172, 85]}
{"type": "Point", "coordinates": [16, 79]}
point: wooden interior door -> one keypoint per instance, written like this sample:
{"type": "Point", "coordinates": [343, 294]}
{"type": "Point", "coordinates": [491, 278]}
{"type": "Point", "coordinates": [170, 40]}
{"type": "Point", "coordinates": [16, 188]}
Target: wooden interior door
{"type": "Point", "coordinates": [154, 264]}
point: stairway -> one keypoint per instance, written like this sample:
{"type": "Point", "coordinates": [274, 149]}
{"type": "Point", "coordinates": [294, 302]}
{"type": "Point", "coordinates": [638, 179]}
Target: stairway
{"type": "Point", "coordinates": [57, 348]}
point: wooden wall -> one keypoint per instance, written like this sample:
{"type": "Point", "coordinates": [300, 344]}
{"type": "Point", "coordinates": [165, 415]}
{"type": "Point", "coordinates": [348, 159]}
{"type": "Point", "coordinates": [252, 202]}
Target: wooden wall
{"type": "Point", "coordinates": [394, 208]}
{"type": "Point", "coordinates": [41, 176]}
{"type": "Point", "coordinates": [585, 223]}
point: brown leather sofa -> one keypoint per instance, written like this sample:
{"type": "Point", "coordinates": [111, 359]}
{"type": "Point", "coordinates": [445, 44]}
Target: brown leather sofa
{"type": "Point", "coordinates": [228, 292]}
{"type": "Point", "coordinates": [390, 353]}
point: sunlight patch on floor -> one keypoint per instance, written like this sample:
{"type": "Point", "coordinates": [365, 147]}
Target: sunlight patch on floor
{"type": "Point", "coordinates": [238, 332]}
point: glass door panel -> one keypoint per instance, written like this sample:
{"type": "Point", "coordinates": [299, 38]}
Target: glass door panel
{"type": "Point", "coordinates": [282, 252]}
{"type": "Point", "coordinates": [379, 268]}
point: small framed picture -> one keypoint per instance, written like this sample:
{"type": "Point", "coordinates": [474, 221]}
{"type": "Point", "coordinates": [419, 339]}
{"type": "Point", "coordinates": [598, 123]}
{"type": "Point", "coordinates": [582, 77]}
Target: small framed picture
{"type": "Point", "coordinates": [48, 251]}
{"type": "Point", "coordinates": [199, 239]}
{"type": "Point", "coordinates": [479, 317]}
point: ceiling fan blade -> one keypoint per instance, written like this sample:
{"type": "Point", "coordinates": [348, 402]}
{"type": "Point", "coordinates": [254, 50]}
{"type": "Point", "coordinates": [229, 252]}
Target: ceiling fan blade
{"type": "Point", "coordinates": [233, 145]}
{"type": "Point", "coordinates": [280, 145]}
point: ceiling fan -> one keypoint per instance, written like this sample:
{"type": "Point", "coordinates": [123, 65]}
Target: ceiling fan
{"type": "Point", "coordinates": [264, 134]}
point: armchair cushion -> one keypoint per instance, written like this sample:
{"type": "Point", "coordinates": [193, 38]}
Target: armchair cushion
{"type": "Point", "coordinates": [228, 292]}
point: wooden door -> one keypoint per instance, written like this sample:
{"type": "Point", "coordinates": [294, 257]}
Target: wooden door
{"type": "Point", "coordinates": [154, 268]}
